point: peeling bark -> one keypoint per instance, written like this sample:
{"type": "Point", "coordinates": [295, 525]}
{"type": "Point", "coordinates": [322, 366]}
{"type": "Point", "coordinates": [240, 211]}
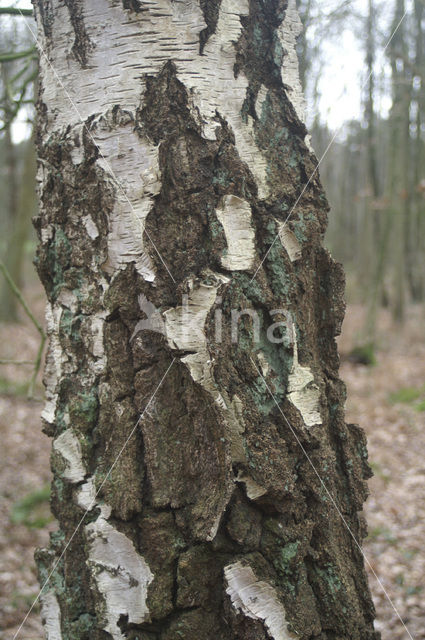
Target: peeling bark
{"type": "Point", "coordinates": [236, 218]}
{"type": "Point", "coordinates": [162, 188]}
{"type": "Point", "coordinates": [50, 615]}
{"type": "Point", "coordinates": [256, 600]}
{"type": "Point", "coordinates": [119, 574]}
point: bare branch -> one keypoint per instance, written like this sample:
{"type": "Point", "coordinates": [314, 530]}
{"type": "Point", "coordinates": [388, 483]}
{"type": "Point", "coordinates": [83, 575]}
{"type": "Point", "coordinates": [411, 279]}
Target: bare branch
{"type": "Point", "coordinates": [18, 294]}
{"type": "Point", "coordinates": [14, 11]}
{"type": "Point", "coordinates": [10, 57]}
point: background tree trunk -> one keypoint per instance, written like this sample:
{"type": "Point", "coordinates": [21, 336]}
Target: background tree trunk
{"type": "Point", "coordinates": [8, 303]}
{"type": "Point", "coordinates": [213, 523]}
{"type": "Point", "coordinates": [18, 232]}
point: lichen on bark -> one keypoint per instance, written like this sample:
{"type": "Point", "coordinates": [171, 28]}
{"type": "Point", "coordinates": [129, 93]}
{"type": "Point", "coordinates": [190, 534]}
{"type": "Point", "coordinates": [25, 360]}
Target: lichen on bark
{"type": "Point", "coordinates": [163, 192]}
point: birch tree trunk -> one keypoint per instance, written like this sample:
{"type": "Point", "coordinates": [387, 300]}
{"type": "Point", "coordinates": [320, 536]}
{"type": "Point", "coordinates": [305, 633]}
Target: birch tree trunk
{"type": "Point", "coordinates": [196, 477]}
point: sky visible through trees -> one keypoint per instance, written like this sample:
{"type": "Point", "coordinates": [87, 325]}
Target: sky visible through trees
{"type": "Point", "coordinates": [341, 69]}
{"type": "Point", "coordinates": [362, 66]}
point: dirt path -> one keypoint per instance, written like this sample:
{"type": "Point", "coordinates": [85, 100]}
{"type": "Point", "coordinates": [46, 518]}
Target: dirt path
{"type": "Point", "coordinates": [24, 471]}
{"type": "Point", "coordinates": [395, 509]}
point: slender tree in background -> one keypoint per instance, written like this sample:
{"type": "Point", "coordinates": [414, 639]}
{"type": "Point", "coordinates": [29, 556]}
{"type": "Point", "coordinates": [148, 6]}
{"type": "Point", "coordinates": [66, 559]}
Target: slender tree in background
{"type": "Point", "coordinates": [376, 231]}
{"type": "Point", "coordinates": [370, 101]}
{"type": "Point", "coordinates": [374, 172]}
{"type": "Point", "coordinates": [415, 271]}
{"type": "Point", "coordinates": [8, 305]}
{"type": "Point", "coordinates": [18, 73]}
{"type": "Point", "coordinates": [19, 227]}
{"type": "Point", "coordinates": [399, 191]}
{"type": "Point", "coordinates": [199, 483]}
{"type": "Point", "coordinates": [371, 222]}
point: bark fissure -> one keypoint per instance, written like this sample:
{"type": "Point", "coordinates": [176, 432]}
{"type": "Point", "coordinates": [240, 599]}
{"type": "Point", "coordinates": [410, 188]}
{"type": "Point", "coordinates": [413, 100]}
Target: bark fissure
{"type": "Point", "coordinates": [210, 9]}
{"type": "Point", "coordinates": [82, 44]}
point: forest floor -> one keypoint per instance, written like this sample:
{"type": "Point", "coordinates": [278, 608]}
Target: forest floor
{"type": "Point", "coordinates": [387, 399]}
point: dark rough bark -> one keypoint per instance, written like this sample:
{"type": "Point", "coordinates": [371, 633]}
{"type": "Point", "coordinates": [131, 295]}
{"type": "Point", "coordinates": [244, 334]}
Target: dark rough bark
{"type": "Point", "coordinates": [180, 489]}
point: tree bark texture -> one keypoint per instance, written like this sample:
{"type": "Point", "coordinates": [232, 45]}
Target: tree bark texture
{"type": "Point", "coordinates": [171, 150]}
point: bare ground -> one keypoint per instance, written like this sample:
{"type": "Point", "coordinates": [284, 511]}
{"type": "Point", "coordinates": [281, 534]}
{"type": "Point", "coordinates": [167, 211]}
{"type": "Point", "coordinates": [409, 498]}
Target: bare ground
{"type": "Point", "coordinates": [395, 509]}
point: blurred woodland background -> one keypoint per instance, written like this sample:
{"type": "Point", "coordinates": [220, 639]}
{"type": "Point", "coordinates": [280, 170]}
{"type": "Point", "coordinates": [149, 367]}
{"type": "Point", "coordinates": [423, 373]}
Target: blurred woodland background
{"type": "Point", "coordinates": [371, 131]}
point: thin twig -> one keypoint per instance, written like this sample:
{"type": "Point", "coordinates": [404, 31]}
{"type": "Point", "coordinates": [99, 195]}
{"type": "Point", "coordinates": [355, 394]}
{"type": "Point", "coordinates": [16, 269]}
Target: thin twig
{"type": "Point", "coordinates": [21, 299]}
{"type": "Point", "coordinates": [18, 294]}
{"type": "Point", "coordinates": [14, 11]}
{"type": "Point", "coordinates": [10, 57]}
{"type": "Point", "coordinates": [10, 114]}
